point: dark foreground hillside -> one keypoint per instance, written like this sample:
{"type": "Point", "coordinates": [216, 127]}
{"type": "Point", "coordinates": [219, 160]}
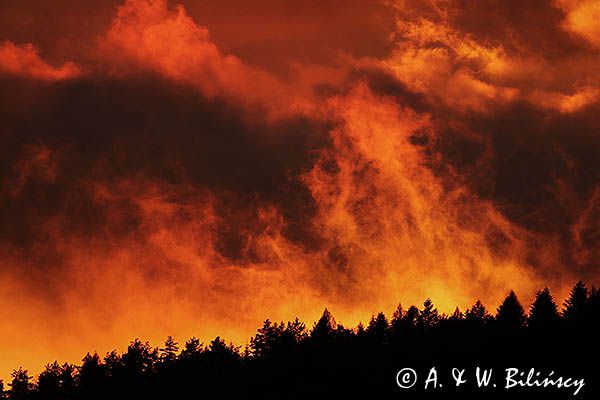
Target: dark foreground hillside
{"type": "Point", "coordinates": [557, 347]}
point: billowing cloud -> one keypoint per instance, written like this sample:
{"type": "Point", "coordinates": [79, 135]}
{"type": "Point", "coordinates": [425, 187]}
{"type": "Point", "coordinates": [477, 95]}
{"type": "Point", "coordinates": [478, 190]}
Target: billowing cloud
{"type": "Point", "coordinates": [149, 35]}
{"type": "Point", "coordinates": [25, 61]}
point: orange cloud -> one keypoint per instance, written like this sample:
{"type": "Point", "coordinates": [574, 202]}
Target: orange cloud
{"type": "Point", "coordinates": [378, 205]}
{"type": "Point", "coordinates": [582, 19]}
{"type": "Point", "coordinates": [433, 59]}
{"type": "Point", "coordinates": [147, 34]}
{"type": "Point", "coordinates": [461, 70]}
{"type": "Point", "coordinates": [566, 103]}
{"type": "Point", "coordinates": [25, 61]}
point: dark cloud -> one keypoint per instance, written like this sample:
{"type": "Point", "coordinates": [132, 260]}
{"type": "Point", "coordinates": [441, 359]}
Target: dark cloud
{"type": "Point", "coordinates": [106, 130]}
{"type": "Point", "coordinates": [520, 25]}
{"type": "Point", "coordinates": [524, 158]}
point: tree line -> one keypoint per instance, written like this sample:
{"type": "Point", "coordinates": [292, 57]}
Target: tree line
{"type": "Point", "coordinates": [288, 357]}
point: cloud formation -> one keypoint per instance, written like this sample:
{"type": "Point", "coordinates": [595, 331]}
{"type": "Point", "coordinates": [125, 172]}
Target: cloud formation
{"type": "Point", "coordinates": [25, 61]}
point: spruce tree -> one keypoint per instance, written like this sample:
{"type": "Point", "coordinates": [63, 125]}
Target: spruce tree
{"type": "Point", "coordinates": [477, 314]}
{"type": "Point", "coordinates": [511, 315]}
{"type": "Point", "coordinates": [378, 328]}
{"type": "Point", "coordinates": [429, 316]}
{"type": "Point", "coordinates": [576, 304]}
{"type": "Point", "coordinates": [544, 311]}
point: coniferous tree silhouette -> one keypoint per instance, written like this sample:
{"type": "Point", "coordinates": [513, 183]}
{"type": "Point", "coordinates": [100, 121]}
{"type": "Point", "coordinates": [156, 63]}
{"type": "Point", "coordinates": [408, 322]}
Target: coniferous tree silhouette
{"type": "Point", "coordinates": [323, 329]}
{"type": "Point", "coordinates": [396, 328]}
{"type": "Point", "coordinates": [343, 335]}
{"type": "Point", "coordinates": [20, 386]}
{"type": "Point", "coordinates": [219, 352]}
{"type": "Point", "coordinates": [220, 363]}
{"type": "Point", "coordinates": [397, 316]}
{"type": "Point", "coordinates": [403, 324]}
{"type": "Point", "coordinates": [68, 382]}
{"type": "Point", "coordinates": [478, 315]}
{"type": "Point", "coordinates": [457, 315]}
{"type": "Point", "coordinates": [267, 339]}
{"type": "Point", "coordinates": [378, 327]}
{"type": "Point", "coordinates": [192, 349]}
{"type": "Point", "coordinates": [294, 332]}
{"type": "Point", "coordinates": [576, 304]}
{"type": "Point", "coordinates": [165, 371]}
{"type": "Point", "coordinates": [428, 317]}
{"type": "Point", "coordinates": [410, 317]}
{"type": "Point", "coordinates": [168, 353]}
{"type": "Point", "coordinates": [49, 381]}
{"type": "Point", "coordinates": [282, 355]}
{"type": "Point", "coordinates": [406, 326]}
{"type": "Point", "coordinates": [56, 381]}
{"type": "Point", "coordinates": [190, 362]}
{"type": "Point", "coordinates": [510, 314]}
{"type": "Point", "coordinates": [360, 330]}
{"type": "Point", "coordinates": [92, 376]}
{"type": "Point", "coordinates": [452, 326]}
{"type": "Point", "coordinates": [452, 323]}
{"type": "Point", "coordinates": [112, 364]}
{"type": "Point", "coordinates": [544, 311]}
{"type": "Point", "coordinates": [139, 359]}
{"type": "Point", "coordinates": [132, 372]}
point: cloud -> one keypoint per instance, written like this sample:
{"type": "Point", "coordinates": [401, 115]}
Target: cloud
{"type": "Point", "coordinates": [149, 35]}
{"type": "Point", "coordinates": [582, 19]}
{"type": "Point", "coordinates": [25, 61]}
{"type": "Point", "coordinates": [443, 52]}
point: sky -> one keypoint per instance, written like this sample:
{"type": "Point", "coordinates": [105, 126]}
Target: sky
{"type": "Point", "coordinates": [193, 168]}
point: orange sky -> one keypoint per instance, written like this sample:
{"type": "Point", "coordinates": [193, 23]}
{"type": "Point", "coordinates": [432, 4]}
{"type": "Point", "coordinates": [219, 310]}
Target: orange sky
{"type": "Point", "coordinates": [195, 168]}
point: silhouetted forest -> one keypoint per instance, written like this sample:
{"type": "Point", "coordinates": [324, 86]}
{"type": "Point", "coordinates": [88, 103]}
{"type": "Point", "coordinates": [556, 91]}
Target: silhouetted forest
{"type": "Point", "coordinates": [289, 359]}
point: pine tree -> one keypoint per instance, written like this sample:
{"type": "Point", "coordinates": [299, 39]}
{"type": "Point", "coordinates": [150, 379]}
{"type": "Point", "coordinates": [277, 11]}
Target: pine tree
{"type": "Point", "coordinates": [20, 386]}
{"type": "Point", "coordinates": [49, 381]}
{"type": "Point", "coordinates": [457, 315]}
{"type": "Point", "coordinates": [396, 322]}
{"type": "Point", "coordinates": [410, 318]}
{"type": "Point", "coordinates": [429, 316]}
{"type": "Point", "coordinates": [192, 349]}
{"type": "Point", "coordinates": [92, 375]}
{"type": "Point", "coordinates": [378, 328]}
{"type": "Point", "coordinates": [544, 311]}
{"type": "Point", "coordinates": [360, 330]}
{"type": "Point", "coordinates": [295, 331]}
{"type": "Point", "coordinates": [169, 352]}
{"type": "Point", "coordinates": [267, 339]}
{"type": "Point", "coordinates": [138, 362]}
{"type": "Point", "coordinates": [510, 314]}
{"type": "Point", "coordinates": [324, 327]}
{"type": "Point", "coordinates": [478, 314]}
{"type": "Point", "coordinates": [219, 351]}
{"type": "Point", "coordinates": [575, 306]}
{"type": "Point", "coordinates": [398, 313]}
